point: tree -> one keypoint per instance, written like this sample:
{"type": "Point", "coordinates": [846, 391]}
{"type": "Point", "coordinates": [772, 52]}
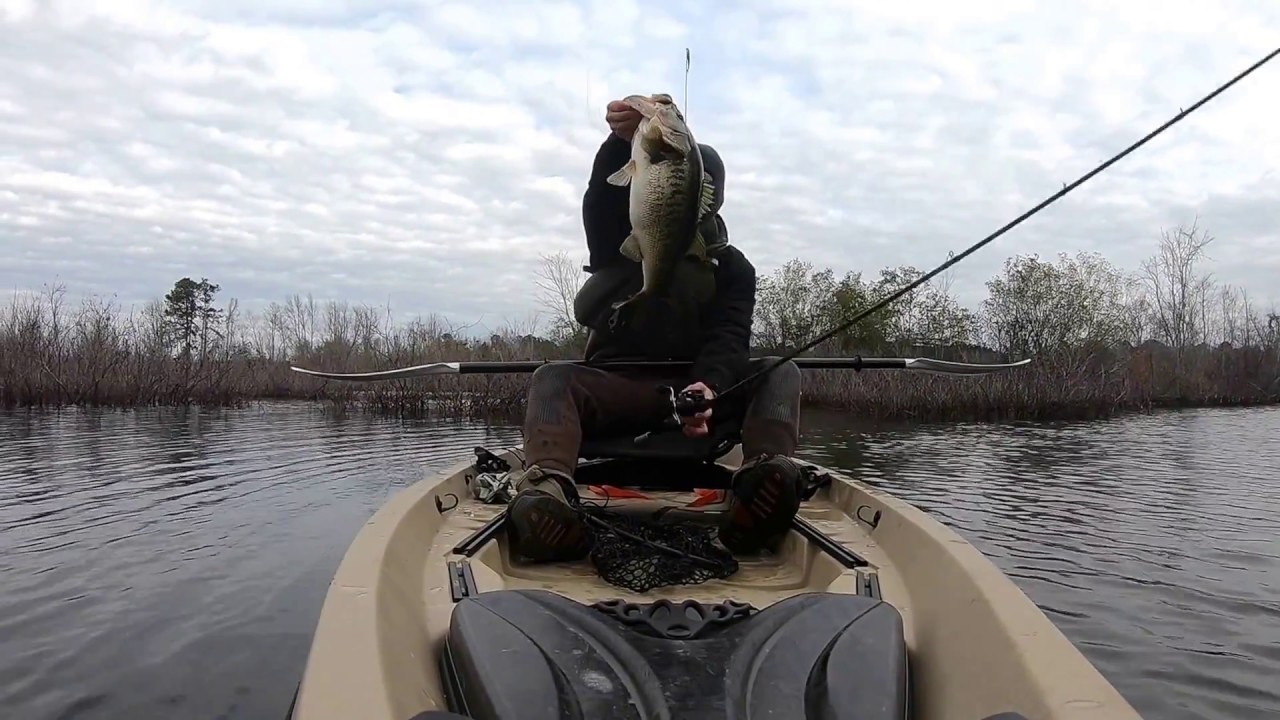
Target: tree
{"type": "Point", "coordinates": [1036, 307]}
{"type": "Point", "coordinates": [928, 315]}
{"type": "Point", "coordinates": [1178, 291]}
{"type": "Point", "coordinates": [559, 279]}
{"type": "Point", "coordinates": [853, 295]}
{"type": "Point", "coordinates": [191, 317]}
{"type": "Point", "coordinates": [794, 305]}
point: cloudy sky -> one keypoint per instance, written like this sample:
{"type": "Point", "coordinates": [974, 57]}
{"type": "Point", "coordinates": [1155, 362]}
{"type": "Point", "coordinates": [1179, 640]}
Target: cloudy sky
{"type": "Point", "coordinates": [425, 153]}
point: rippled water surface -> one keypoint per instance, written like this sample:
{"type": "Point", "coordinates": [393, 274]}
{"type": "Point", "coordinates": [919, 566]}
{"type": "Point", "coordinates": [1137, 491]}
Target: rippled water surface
{"type": "Point", "coordinates": [171, 564]}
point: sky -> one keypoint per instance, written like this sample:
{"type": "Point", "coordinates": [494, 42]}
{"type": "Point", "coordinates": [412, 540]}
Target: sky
{"type": "Point", "coordinates": [426, 154]}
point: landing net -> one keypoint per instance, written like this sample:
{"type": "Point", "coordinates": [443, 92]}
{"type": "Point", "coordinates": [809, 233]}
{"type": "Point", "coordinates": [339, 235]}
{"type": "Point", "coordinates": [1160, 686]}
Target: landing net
{"type": "Point", "coordinates": [640, 554]}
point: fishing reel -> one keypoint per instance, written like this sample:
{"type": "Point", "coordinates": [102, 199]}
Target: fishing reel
{"type": "Point", "coordinates": [688, 403]}
{"type": "Point", "coordinates": [684, 404]}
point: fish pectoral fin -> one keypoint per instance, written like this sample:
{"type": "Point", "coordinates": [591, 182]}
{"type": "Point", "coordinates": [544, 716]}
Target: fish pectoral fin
{"type": "Point", "coordinates": [708, 198]}
{"type": "Point", "coordinates": [630, 248]}
{"type": "Point", "coordinates": [624, 174]}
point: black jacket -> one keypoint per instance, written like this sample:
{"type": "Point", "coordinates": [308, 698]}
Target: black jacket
{"type": "Point", "coordinates": [723, 355]}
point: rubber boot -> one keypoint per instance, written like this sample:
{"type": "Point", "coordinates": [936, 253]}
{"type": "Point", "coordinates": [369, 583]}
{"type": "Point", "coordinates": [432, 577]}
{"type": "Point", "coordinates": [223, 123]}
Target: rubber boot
{"type": "Point", "coordinates": [764, 499]}
{"type": "Point", "coordinates": [542, 521]}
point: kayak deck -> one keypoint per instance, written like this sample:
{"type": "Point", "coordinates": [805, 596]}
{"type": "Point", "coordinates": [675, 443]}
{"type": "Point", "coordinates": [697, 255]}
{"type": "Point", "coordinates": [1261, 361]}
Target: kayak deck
{"type": "Point", "coordinates": [408, 615]}
{"type": "Point", "coordinates": [798, 566]}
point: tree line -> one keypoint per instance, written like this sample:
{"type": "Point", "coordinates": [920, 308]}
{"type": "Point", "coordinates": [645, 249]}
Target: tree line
{"type": "Point", "coordinates": [1103, 340]}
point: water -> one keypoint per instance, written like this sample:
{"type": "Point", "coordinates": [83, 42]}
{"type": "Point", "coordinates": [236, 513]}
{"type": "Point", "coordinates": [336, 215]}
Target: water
{"type": "Point", "coordinates": [1151, 542]}
{"type": "Point", "coordinates": [171, 564]}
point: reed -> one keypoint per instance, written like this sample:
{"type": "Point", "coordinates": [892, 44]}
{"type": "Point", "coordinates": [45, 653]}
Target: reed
{"type": "Point", "coordinates": [95, 353]}
{"type": "Point", "coordinates": [1060, 386]}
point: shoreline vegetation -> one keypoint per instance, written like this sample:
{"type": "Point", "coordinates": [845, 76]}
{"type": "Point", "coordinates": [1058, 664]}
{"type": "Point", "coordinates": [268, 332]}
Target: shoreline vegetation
{"type": "Point", "coordinates": [1103, 341]}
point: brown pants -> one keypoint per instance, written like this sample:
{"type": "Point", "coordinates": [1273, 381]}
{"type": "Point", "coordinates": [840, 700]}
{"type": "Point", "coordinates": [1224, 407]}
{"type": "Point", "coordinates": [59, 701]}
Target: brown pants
{"type": "Point", "coordinates": [567, 402]}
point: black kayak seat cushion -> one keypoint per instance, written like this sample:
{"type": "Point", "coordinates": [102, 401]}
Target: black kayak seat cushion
{"type": "Point", "coordinates": [536, 655]}
{"type": "Point", "coordinates": [664, 445]}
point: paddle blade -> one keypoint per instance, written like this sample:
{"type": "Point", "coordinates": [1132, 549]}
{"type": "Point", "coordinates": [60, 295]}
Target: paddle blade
{"type": "Point", "coordinates": [440, 368]}
{"type": "Point", "coordinates": [946, 367]}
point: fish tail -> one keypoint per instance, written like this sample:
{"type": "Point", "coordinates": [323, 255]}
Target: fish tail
{"type": "Point", "coordinates": [631, 312]}
{"type": "Point", "coordinates": [624, 313]}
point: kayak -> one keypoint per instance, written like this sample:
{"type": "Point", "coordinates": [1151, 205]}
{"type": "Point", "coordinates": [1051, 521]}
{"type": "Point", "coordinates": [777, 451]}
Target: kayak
{"type": "Point", "coordinates": [868, 609]}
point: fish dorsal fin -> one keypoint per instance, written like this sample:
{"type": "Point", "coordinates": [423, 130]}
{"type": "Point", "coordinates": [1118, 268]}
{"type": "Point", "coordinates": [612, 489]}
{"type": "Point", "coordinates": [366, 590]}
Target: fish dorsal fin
{"type": "Point", "coordinates": [708, 196]}
{"type": "Point", "coordinates": [706, 201]}
{"type": "Point", "coordinates": [698, 248]}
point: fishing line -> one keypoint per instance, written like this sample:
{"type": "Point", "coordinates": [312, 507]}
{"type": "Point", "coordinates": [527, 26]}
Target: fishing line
{"type": "Point", "coordinates": [1012, 224]}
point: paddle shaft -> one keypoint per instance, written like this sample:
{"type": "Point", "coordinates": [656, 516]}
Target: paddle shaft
{"type": "Point", "coordinates": [856, 363]}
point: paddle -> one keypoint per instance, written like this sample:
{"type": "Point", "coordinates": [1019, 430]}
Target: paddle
{"type": "Point", "coordinates": [482, 367]}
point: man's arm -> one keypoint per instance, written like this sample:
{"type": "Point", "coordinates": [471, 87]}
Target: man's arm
{"type": "Point", "coordinates": [726, 351]}
{"type": "Point", "coordinates": [605, 216]}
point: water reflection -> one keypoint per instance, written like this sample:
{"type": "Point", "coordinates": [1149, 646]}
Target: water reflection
{"type": "Point", "coordinates": [171, 563]}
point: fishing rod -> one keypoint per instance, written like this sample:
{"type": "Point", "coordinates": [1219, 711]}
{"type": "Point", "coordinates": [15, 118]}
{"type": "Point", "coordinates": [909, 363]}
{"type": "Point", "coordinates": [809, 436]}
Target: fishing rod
{"type": "Point", "coordinates": [690, 403]}
{"type": "Point", "coordinates": [688, 60]}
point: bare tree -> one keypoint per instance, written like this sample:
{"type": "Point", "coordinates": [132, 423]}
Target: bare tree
{"type": "Point", "coordinates": [232, 321]}
{"type": "Point", "coordinates": [1179, 293]}
{"type": "Point", "coordinates": [559, 278]}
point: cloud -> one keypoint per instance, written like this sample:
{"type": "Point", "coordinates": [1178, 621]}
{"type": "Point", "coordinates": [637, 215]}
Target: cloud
{"type": "Point", "coordinates": [426, 154]}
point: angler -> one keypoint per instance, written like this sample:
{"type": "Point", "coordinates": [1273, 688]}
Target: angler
{"type": "Point", "coordinates": [709, 303]}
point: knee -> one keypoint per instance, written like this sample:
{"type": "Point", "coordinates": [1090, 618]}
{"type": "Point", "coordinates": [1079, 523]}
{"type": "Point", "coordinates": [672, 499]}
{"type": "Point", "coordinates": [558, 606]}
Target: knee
{"type": "Point", "coordinates": [554, 378]}
{"type": "Point", "coordinates": [785, 377]}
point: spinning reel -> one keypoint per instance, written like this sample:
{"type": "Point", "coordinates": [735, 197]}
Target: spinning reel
{"type": "Point", "coordinates": [684, 404]}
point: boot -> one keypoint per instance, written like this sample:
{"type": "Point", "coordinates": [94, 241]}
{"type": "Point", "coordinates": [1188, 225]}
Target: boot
{"type": "Point", "coordinates": [542, 521]}
{"type": "Point", "coordinates": [763, 501]}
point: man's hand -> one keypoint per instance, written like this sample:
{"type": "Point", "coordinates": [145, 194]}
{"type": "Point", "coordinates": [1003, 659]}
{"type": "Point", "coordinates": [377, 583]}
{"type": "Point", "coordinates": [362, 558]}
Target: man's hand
{"type": "Point", "coordinates": [623, 119]}
{"type": "Point", "coordinates": [696, 425]}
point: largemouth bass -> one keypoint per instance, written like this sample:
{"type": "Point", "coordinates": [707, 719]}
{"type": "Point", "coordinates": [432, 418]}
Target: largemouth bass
{"type": "Point", "coordinates": [670, 195]}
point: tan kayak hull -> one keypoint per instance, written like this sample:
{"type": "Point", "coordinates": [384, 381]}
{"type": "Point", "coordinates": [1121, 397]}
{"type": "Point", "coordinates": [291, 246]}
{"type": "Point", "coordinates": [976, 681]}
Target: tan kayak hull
{"type": "Point", "coordinates": [977, 645]}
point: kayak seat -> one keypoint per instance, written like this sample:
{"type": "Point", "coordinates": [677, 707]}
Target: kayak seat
{"type": "Point", "coordinates": [662, 461]}
{"type": "Point", "coordinates": [665, 445]}
{"type": "Point", "coordinates": [536, 655]}
{"type": "Point", "coordinates": [654, 474]}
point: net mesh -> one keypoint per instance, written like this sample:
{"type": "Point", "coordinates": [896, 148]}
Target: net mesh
{"type": "Point", "coordinates": [640, 554]}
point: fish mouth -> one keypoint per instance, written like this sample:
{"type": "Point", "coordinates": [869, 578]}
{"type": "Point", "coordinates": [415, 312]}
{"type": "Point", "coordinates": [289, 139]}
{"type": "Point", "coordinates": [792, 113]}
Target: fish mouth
{"type": "Point", "coordinates": [650, 105]}
{"type": "Point", "coordinates": [644, 104]}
